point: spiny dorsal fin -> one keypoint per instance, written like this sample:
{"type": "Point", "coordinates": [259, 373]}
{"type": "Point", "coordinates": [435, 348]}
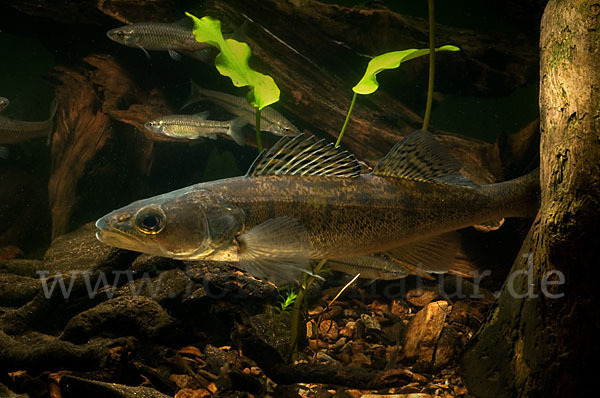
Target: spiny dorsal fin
{"type": "Point", "coordinates": [300, 156]}
{"type": "Point", "coordinates": [419, 157]}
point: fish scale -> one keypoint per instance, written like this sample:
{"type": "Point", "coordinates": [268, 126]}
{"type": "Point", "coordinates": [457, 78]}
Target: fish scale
{"type": "Point", "coordinates": [189, 125]}
{"type": "Point", "coordinates": [192, 127]}
{"type": "Point", "coordinates": [157, 36]}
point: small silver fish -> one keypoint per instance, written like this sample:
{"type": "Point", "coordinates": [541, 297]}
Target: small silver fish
{"type": "Point", "coordinates": [3, 103]}
{"type": "Point", "coordinates": [192, 127]}
{"type": "Point", "coordinates": [155, 36]}
{"type": "Point", "coordinates": [16, 131]}
{"type": "Point", "coordinates": [270, 120]}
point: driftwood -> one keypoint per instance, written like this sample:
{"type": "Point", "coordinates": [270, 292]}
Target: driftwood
{"type": "Point", "coordinates": [99, 11]}
{"type": "Point", "coordinates": [91, 98]}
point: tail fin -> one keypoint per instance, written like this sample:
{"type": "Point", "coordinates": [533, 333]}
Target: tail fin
{"type": "Point", "coordinates": [53, 108]}
{"type": "Point", "coordinates": [235, 130]}
{"type": "Point", "coordinates": [205, 55]}
{"type": "Point", "coordinates": [195, 95]}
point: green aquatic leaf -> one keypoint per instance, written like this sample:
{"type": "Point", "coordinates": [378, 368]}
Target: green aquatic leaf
{"type": "Point", "coordinates": [368, 84]}
{"type": "Point", "coordinates": [232, 61]}
{"type": "Point", "coordinates": [287, 301]}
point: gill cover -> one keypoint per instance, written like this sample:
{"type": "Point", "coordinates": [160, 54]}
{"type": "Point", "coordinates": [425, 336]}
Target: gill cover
{"type": "Point", "coordinates": [184, 224]}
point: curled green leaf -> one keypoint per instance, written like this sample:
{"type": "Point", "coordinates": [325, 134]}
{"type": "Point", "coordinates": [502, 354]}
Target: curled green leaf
{"type": "Point", "coordinates": [232, 61]}
{"type": "Point", "coordinates": [368, 84]}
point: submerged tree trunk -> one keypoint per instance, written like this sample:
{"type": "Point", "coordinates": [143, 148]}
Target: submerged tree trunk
{"type": "Point", "coordinates": [540, 339]}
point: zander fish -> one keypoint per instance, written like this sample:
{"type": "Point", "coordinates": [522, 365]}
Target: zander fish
{"type": "Point", "coordinates": [304, 200]}
{"type": "Point", "coordinates": [16, 131]}
{"type": "Point", "coordinates": [270, 120]}
{"type": "Point", "coordinates": [192, 127]}
{"type": "Point", "coordinates": [155, 36]}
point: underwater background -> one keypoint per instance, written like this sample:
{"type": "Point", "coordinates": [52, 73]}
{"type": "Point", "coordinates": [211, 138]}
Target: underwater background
{"type": "Point", "coordinates": [101, 158]}
{"type": "Point", "coordinates": [33, 46]}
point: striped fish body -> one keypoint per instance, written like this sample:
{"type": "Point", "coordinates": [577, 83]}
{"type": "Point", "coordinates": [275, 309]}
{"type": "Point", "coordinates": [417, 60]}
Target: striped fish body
{"type": "Point", "coordinates": [156, 36]}
{"type": "Point", "coordinates": [270, 120]}
{"type": "Point", "coordinates": [17, 131]}
{"type": "Point", "coordinates": [348, 217]}
{"type": "Point", "coordinates": [189, 126]}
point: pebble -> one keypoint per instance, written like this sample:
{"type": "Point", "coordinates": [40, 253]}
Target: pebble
{"type": "Point", "coordinates": [360, 360]}
{"type": "Point", "coordinates": [371, 324]}
{"type": "Point", "coordinates": [328, 330]}
{"type": "Point", "coordinates": [424, 331]}
{"type": "Point", "coordinates": [399, 308]}
{"type": "Point", "coordinates": [338, 344]}
{"type": "Point", "coordinates": [421, 297]}
{"type": "Point", "coordinates": [348, 329]}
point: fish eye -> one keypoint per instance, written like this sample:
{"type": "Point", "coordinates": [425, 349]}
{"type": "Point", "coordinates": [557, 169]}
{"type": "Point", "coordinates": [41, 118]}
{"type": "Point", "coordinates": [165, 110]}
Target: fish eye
{"type": "Point", "coordinates": [150, 221]}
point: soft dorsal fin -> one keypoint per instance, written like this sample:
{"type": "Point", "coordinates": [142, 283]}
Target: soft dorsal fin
{"type": "Point", "coordinates": [300, 156]}
{"type": "Point", "coordinates": [419, 157]}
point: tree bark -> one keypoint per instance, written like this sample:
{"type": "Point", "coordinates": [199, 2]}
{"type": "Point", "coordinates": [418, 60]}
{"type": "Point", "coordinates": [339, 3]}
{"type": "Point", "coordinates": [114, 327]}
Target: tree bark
{"type": "Point", "coordinates": [541, 341]}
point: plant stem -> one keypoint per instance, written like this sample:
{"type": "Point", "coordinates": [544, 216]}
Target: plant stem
{"type": "Point", "coordinates": [258, 139]}
{"type": "Point", "coordinates": [296, 310]}
{"type": "Point", "coordinates": [337, 143]}
{"type": "Point", "coordinates": [431, 66]}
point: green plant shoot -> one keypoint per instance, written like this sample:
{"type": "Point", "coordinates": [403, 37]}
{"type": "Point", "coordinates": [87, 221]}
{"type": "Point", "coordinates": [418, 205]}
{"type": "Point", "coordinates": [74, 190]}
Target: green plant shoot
{"type": "Point", "coordinates": [232, 61]}
{"type": "Point", "coordinates": [287, 301]}
{"type": "Point", "coordinates": [369, 84]}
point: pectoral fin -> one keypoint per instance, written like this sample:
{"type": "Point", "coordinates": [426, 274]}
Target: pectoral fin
{"type": "Point", "coordinates": [174, 55]}
{"type": "Point", "coordinates": [277, 250]}
{"type": "Point", "coordinates": [433, 254]}
{"type": "Point", "coordinates": [4, 152]}
{"type": "Point", "coordinates": [145, 52]}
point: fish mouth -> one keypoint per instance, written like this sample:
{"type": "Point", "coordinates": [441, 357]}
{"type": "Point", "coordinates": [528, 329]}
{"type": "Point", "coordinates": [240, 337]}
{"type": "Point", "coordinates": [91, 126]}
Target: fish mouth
{"type": "Point", "coordinates": [113, 236]}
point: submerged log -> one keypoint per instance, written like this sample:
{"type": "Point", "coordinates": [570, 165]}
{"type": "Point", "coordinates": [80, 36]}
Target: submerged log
{"type": "Point", "coordinates": [541, 337]}
{"type": "Point", "coordinates": [82, 130]}
{"type": "Point", "coordinates": [318, 61]}
{"type": "Point", "coordinates": [99, 11]}
{"type": "Point", "coordinates": [91, 98]}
